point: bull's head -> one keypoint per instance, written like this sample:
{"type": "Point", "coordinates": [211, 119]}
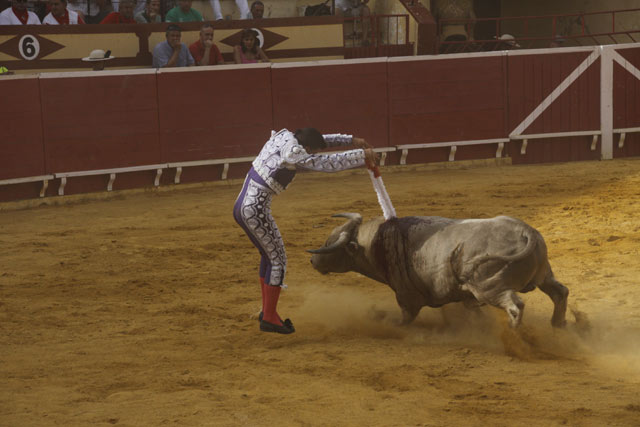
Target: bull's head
{"type": "Point", "coordinates": [336, 256]}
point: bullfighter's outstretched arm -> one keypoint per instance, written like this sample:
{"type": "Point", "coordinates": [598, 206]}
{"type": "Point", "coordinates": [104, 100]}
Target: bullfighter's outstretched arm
{"type": "Point", "coordinates": [337, 139]}
{"type": "Point", "coordinates": [332, 162]}
{"type": "Point", "coordinates": [342, 140]}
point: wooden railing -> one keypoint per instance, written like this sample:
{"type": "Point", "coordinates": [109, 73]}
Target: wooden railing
{"type": "Point", "coordinates": [541, 31]}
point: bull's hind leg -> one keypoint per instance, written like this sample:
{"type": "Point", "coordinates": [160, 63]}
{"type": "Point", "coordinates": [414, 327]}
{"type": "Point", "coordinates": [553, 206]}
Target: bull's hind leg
{"type": "Point", "coordinates": [558, 294]}
{"type": "Point", "coordinates": [510, 302]}
{"type": "Point", "coordinates": [507, 300]}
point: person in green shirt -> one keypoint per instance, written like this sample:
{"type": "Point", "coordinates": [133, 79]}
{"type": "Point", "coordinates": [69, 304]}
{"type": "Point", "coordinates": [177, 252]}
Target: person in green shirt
{"type": "Point", "coordinates": [183, 13]}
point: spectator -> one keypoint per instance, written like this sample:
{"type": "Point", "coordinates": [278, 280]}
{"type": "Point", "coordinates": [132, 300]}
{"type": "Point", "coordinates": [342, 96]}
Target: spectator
{"type": "Point", "coordinates": [257, 10]}
{"type": "Point", "coordinates": [457, 33]}
{"type": "Point", "coordinates": [124, 14]}
{"type": "Point", "coordinates": [60, 15]}
{"type": "Point", "coordinates": [183, 13]}
{"type": "Point", "coordinates": [81, 7]}
{"type": "Point", "coordinates": [355, 9]}
{"type": "Point", "coordinates": [243, 8]}
{"type": "Point", "coordinates": [172, 53]}
{"type": "Point", "coordinates": [352, 8]}
{"type": "Point", "coordinates": [151, 13]}
{"type": "Point", "coordinates": [204, 51]}
{"type": "Point", "coordinates": [249, 50]}
{"type": "Point", "coordinates": [18, 14]}
{"type": "Point", "coordinates": [104, 9]}
{"type": "Point", "coordinates": [98, 57]}
{"type": "Point", "coordinates": [141, 6]}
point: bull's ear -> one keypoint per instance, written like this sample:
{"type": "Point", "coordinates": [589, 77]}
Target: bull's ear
{"type": "Point", "coordinates": [351, 247]}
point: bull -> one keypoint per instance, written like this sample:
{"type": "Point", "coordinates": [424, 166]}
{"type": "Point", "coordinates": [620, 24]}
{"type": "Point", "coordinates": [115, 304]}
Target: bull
{"type": "Point", "coordinates": [432, 261]}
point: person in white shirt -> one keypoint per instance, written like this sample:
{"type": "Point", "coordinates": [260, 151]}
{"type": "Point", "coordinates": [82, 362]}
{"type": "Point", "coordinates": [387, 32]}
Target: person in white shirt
{"type": "Point", "coordinates": [60, 15]}
{"type": "Point", "coordinates": [81, 7]}
{"type": "Point", "coordinates": [243, 8]}
{"type": "Point", "coordinates": [18, 14]}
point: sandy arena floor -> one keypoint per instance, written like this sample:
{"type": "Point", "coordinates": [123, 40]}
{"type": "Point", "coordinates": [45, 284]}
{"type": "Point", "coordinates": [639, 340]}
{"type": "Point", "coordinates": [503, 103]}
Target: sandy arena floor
{"type": "Point", "coordinates": [138, 309]}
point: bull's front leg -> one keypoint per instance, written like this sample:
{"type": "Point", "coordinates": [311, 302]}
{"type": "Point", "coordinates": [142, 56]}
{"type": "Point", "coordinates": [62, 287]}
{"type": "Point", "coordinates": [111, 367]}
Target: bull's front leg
{"type": "Point", "coordinates": [409, 308]}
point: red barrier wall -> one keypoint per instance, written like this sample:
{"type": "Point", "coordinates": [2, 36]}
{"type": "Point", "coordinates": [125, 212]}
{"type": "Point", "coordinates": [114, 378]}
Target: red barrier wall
{"type": "Point", "coordinates": [99, 121]}
{"type": "Point", "coordinates": [114, 119]}
{"type": "Point", "coordinates": [626, 103]}
{"type": "Point", "coordinates": [339, 97]}
{"type": "Point", "coordinates": [21, 126]}
{"type": "Point", "coordinates": [444, 100]}
{"type": "Point", "coordinates": [531, 79]}
{"type": "Point", "coordinates": [214, 112]}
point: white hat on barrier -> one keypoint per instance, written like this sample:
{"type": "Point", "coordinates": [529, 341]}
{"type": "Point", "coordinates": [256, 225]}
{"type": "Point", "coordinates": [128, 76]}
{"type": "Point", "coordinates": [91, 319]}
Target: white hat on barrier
{"type": "Point", "coordinates": [99, 55]}
{"type": "Point", "coordinates": [509, 39]}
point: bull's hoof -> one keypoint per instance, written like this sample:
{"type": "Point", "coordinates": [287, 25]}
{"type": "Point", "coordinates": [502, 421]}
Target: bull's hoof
{"type": "Point", "coordinates": [559, 323]}
{"type": "Point", "coordinates": [285, 328]}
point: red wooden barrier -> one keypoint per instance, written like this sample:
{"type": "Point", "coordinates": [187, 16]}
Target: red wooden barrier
{"type": "Point", "coordinates": [532, 78]}
{"type": "Point", "coordinates": [447, 99]}
{"type": "Point", "coordinates": [20, 120]}
{"type": "Point", "coordinates": [96, 120]}
{"type": "Point", "coordinates": [626, 103]}
{"type": "Point", "coordinates": [335, 97]}
{"type": "Point", "coordinates": [212, 113]}
{"type": "Point", "coordinates": [21, 146]}
{"type": "Point", "coordinates": [90, 121]}
{"type": "Point", "coordinates": [99, 121]}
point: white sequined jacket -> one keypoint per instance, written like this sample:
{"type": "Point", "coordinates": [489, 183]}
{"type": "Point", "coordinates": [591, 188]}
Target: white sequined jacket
{"type": "Point", "coordinates": [282, 155]}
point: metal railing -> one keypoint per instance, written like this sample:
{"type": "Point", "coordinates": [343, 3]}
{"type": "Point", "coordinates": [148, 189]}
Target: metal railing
{"type": "Point", "coordinates": [540, 31]}
{"type": "Point", "coordinates": [377, 35]}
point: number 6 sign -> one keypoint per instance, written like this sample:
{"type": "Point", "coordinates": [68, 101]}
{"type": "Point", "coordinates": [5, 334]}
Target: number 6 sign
{"type": "Point", "coordinates": [29, 47]}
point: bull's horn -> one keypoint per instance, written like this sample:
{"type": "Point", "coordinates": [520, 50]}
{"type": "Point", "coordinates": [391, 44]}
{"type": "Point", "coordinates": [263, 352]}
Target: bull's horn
{"type": "Point", "coordinates": [350, 216]}
{"type": "Point", "coordinates": [342, 240]}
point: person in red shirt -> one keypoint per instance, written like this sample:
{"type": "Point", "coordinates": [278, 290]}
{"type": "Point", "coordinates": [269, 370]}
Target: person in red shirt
{"type": "Point", "coordinates": [204, 51]}
{"type": "Point", "coordinates": [123, 16]}
{"type": "Point", "coordinates": [60, 15]}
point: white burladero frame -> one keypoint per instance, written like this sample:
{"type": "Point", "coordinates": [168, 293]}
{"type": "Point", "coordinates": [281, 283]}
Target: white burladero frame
{"type": "Point", "coordinates": [607, 54]}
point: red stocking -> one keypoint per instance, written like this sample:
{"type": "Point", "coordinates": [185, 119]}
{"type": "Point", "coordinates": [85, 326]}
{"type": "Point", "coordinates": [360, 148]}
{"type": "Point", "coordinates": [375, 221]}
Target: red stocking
{"type": "Point", "coordinates": [272, 293]}
{"type": "Point", "coordinates": [263, 291]}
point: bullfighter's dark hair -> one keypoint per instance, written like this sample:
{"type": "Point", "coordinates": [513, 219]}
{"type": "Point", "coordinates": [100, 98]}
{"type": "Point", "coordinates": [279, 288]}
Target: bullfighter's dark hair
{"type": "Point", "coordinates": [247, 32]}
{"type": "Point", "coordinates": [310, 138]}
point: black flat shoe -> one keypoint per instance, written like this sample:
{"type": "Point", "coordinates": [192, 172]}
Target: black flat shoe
{"type": "Point", "coordinates": [270, 327]}
{"type": "Point", "coordinates": [287, 322]}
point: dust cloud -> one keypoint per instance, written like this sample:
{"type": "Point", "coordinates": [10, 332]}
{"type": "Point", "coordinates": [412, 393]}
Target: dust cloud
{"type": "Point", "coordinates": [598, 340]}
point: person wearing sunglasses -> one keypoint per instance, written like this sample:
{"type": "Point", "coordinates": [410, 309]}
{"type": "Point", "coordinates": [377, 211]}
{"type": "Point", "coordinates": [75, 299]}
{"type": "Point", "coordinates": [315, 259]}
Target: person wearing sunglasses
{"type": "Point", "coordinates": [18, 14]}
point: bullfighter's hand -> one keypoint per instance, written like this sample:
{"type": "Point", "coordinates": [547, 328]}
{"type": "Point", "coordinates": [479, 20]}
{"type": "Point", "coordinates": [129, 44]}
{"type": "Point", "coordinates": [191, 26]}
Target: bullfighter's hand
{"type": "Point", "coordinates": [370, 158]}
{"type": "Point", "coordinates": [359, 143]}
